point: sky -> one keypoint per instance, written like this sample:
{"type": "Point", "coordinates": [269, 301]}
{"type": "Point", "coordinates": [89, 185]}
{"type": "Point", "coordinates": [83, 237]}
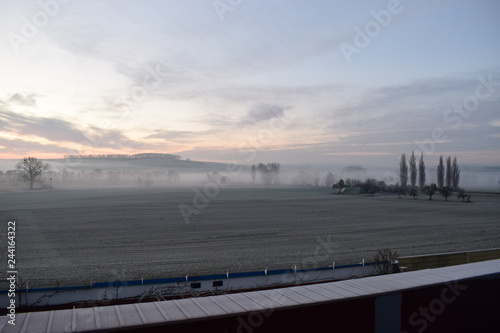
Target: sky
{"type": "Point", "coordinates": [240, 81]}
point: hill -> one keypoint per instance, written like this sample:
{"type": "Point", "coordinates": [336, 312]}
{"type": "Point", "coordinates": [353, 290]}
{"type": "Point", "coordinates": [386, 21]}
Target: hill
{"type": "Point", "coordinates": [138, 162]}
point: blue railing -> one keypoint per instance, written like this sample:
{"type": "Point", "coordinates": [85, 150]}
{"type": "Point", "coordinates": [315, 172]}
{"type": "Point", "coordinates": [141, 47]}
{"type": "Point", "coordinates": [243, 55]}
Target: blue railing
{"type": "Point", "coordinates": [192, 278]}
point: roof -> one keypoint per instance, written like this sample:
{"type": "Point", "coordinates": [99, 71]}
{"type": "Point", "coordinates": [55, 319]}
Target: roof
{"type": "Point", "coordinates": [353, 190]}
{"type": "Point", "coordinates": [136, 315]}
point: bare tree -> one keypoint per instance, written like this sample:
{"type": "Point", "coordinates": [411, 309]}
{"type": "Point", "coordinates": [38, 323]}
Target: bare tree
{"type": "Point", "coordinates": [401, 190]}
{"type": "Point", "coordinates": [421, 172]}
{"type": "Point", "coordinates": [430, 190]}
{"type": "Point", "coordinates": [330, 179]}
{"type": "Point", "coordinates": [403, 173]}
{"type": "Point", "coordinates": [413, 170]}
{"type": "Point", "coordinates": [253, 172]}
{"type": "Point", "coordinates": [30, 168]}
{"type": "Point", "coordinates": [446, 192]}
{"type": "Point", "coordinates": [455, 174]}
{"type": "Point", "coordinates": [413, 192]}
{"type": "Point", "coordinates": [317, 178]}
{"type": "Point", "coordinates": [464, 196]}
{"type": "Point", "coordinates": [173, 177]}
{"type": "Point", "coordinates": [97, 174]}
{"type": "Point", "coordinates": [269, 172]}
{"type": "Point", "coordinates": [275, 169]}
{"type": "Point", "coordinates": [440, 173]}
{"type": "Point", "coordinates": [385, 261]}
{"type": "Point", "coordinates": [264, 173]}
{"type": "Point", "coordinates": [449, 172]}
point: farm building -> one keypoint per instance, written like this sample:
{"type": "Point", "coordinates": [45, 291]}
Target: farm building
{"type": "Point", "coordinates": [353, 190]}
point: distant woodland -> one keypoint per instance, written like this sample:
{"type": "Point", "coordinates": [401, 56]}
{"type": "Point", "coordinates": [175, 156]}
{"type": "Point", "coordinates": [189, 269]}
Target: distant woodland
{"type": "Point", "coordinates": [124, 156]}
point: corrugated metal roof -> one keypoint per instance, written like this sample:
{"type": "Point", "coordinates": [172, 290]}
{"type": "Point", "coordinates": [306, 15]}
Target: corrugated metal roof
{"type": "Point", "coordinates": [130, 315]}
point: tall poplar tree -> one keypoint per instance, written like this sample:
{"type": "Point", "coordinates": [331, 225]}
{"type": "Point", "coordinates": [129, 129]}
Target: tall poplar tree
{"type": "Point", "coordinates": [421, 172]}
{"type": "Point", "coordinates": [440, 173]}
{"type": "Point", "coordinates": [403, 173]}
{"type": "Point", "coordinates": [455, 174]}
{"type": "Point", "coordinates": [413, 170]}
{"type": "Point", "coordinates": [449, 172]}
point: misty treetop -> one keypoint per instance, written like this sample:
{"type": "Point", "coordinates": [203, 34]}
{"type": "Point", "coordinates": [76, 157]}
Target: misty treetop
{"type": "Point", "coordinates": [269, 172]}
{"type": "Point", "coordinates": [354, 169]}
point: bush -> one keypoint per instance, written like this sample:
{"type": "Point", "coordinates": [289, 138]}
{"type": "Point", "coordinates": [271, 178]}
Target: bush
{"type": "Point", "coordinates": [430, 190]}
{"type": "Point", "coordinates": [464, 196]}
{"type": "Point", "coordinates": [413, 192]}
{"type": "Point", "coordinates": [384, 260]}
{"type": "Point", "coordinates": [446, 192]}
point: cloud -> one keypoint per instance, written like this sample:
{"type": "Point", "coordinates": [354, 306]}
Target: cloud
{"type": "Point", "coordinates": [113, 139]}
{"type": "Point", "coordinates": [60, 133]}
{"type": "Point", "coordinates": [359, 153]}
{"type": "Point", "coordinates": [390, 119]}
{"type": "Point", "coordinates": [275, 62]}
{"type": "Point", "coordinates": [412, 111]}
{"type": "Point", "coordinates": [24, 148]}
{"type": "Point", "coordinates": [48, 128]}
{"type": "Point", "coordinates": [180, 136]}
{"type": "Point", "coordinates": [187, 44]}
{"type": "Point", "coordinates": [263, 112]}
{"type": "Point", "coordinates": [23, 99]}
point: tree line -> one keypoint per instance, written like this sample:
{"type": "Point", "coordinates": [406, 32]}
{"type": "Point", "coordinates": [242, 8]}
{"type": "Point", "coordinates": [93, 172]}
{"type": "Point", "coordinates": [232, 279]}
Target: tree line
{"type": "Point", "coordinates": [120, 156]}
{"type": "Point", "coordinates": [413, 180]}
{"type": "Point", "coordinates": [269, 173]}
{"type": "Point", "coordinates": [33, 171]}
{"type": "Point", "coordinates": [447, 178]}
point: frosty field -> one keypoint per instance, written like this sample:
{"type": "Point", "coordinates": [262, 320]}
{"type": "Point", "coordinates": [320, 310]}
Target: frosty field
{"type": "Point", "coordinates": [72, 237]}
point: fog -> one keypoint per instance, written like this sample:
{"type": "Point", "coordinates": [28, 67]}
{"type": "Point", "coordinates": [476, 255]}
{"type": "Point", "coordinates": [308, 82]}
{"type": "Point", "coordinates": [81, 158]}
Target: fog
{"type": "Point", "coordinates": [172, 171]}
